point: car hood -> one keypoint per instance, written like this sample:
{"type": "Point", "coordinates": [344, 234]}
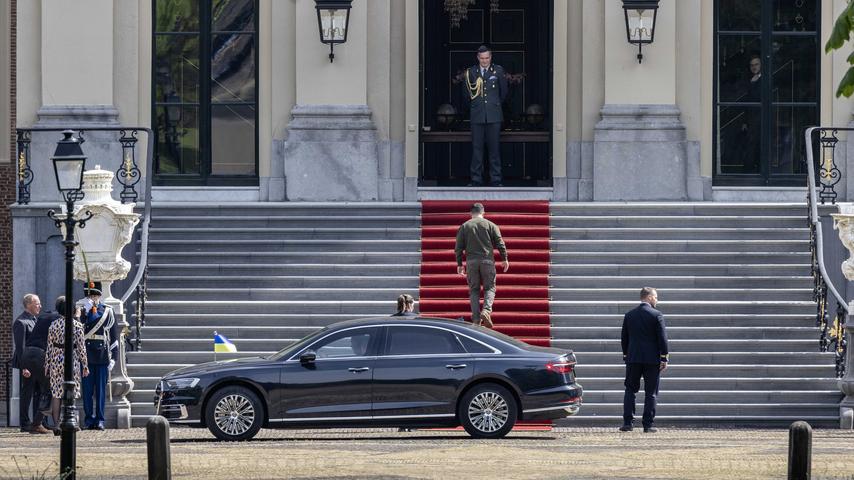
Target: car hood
{"type": "Point", "coordinates": [214, 367]}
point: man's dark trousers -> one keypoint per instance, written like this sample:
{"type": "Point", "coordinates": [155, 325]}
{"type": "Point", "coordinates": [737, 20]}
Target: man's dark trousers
{"type": "Point", "coordinates": [29, 391]}
{"type": "Point", "coordinates": [650, 373]}
{"type": "Point", "coordinates": [490, 135]}
{"type": "Point", "coordinates": [94, 385]}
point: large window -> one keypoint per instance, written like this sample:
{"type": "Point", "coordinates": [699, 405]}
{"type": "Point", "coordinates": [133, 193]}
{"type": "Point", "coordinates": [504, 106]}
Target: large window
{"type": "Point", "coordinates": [766, 89]}
{"type": "Point", "coordinates": [205, 92]}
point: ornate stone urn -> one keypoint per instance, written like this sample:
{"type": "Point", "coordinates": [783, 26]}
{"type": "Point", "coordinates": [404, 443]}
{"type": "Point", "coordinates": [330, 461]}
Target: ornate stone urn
{"type": "Point", "coordinates": [844, 223]}
{"type": "Point", "coordinates": [100, 251]}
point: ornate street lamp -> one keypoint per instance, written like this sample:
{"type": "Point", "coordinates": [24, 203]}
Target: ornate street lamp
{"type": "Point", "coordinates": [333, 20]}
{"type": "Point", "coordinates": [640, 22]}
{"type": "Point", "coordinates": [68, 165]}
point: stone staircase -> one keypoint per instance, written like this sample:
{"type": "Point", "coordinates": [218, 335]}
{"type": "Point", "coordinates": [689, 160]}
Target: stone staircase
{"type": "Point", "coordinates": [733, 281]}
{"type": "Point", "coordinates": [265, 275]}
{"type": "Point", "coordinates": [735, 287]}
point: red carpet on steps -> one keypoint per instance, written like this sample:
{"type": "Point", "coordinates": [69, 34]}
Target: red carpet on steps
{"type": "Point", "coordinates": [521, 307]}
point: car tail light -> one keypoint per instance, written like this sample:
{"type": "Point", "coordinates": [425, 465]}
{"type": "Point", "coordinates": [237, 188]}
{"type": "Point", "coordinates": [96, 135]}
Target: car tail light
{"type": "Point", "coordinates": [560, 366]}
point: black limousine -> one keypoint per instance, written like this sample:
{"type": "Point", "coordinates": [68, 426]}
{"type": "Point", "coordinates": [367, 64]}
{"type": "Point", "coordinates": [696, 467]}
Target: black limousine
{"type": "Point", "coordinates": [378, 372]}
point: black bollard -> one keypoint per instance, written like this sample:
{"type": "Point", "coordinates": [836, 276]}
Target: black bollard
{"type": "Point", "coordinates": [157, 439]}
{"type": "Point", "coordinates": [800, 451]}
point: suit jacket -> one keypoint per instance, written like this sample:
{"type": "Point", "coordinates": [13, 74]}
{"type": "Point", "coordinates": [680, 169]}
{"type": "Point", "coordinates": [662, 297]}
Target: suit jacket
{"type": "Point", "coordinates": [486, 107]}
{"type": "Point", "coordinates": [644, 337]}
{"type": "Point", "coordinates": [22, 327]}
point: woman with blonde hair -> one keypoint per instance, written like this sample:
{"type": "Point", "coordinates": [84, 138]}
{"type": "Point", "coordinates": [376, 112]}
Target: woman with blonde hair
{"type": "Point", "coordinates": [405, 306]}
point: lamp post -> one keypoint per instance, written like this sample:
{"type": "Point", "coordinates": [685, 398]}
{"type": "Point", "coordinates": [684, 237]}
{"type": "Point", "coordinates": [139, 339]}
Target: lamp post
{"type": "Point", "coordinates": [333, 20]}
{"type": "Point", "coordinates": [68, 165]}
{"type": "Point", "coordinates": [640, 22]}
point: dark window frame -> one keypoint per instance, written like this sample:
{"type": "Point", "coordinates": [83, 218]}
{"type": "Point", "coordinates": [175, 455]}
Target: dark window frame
{"type": "Point", "coordinates": [766, 34]}
{"type": "Point", "coordinates": [206, 33]}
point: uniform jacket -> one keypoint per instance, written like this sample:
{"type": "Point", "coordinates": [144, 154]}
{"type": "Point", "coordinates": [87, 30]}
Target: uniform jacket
{"type": "Point", "coordinates": [644, 338]}
{"type": "Point", "coordinates": [22, 327]}
{"type": "Point", "coordinates": [486, 108]}
{"type": "Point", "coordinates": [100, 351]}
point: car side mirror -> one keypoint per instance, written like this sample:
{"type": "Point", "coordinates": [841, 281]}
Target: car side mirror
{"type": "Point", "coordinates": [309, 356]}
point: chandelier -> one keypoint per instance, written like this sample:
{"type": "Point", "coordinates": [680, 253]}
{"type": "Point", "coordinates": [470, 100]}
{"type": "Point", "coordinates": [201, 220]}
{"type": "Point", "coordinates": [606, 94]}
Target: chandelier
{"type": "Point", "coordinates": [459, 9]}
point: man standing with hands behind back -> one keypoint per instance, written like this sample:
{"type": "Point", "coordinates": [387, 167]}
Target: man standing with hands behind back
{"type": "Point", "coordinates": [22, 327]}
{"type": "Point", "coordinates": [644, 342]}
{"type": "Point", "coordinates": [486, 89]}
{"type": "Point", "coordinates": [479, 238]}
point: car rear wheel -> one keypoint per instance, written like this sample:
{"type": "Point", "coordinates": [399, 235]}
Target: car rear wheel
{"type": "Point", "coordinates": [234, 414]}
{"type": "Point", "coordinates": [488, 411]}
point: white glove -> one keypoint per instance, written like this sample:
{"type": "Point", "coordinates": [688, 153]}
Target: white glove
{"type": "Point", "coordinates": [112, 364]}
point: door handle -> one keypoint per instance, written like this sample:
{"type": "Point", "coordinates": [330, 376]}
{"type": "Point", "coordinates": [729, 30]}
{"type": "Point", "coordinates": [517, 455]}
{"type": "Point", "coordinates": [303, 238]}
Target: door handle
{"type": "Point", "coordinates": [456, 366]}
{"type": "Point", "coordinates": [358, 369]}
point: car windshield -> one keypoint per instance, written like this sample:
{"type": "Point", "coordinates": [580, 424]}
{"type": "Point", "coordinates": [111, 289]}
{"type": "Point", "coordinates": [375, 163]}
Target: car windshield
{"type": "Point", "coordinates": [294, 347]}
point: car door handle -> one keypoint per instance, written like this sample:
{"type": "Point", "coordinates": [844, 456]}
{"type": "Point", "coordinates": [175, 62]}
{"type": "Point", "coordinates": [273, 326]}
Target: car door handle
{"type": "Point", "coordinates": [358, 369]}
{"type": "Point", "coordinates": [456, 366]}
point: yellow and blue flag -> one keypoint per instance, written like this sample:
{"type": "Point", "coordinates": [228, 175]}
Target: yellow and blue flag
{"type": "Point", "coordinates": [222, 344]}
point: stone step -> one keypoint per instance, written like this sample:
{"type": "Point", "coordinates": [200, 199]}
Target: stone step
{"type": "Point", "coordinates": [780, 420]}
{"type": "Point", "coordinates": [280, 281]}
{"type": "Point", "coordinates": [721, 396]}
{"type": "Point", "coordinates": [312, 209]}
{"type": "Point", "coordinates": [228, 268]}
{"type": "Point", "coordinates": [676, 233]}
{"type": "Point", "coordinates": [689, 345]}
{"type": "Point", "coordinates": [674, 221]}
{"type": "Point", "coordinates": [727, 383]}
{"type": "Point", "coordinates": [665, 259]}
{"type": "Point", "coordinates": [321, 247]}
{"type": "Point", "coordinates": [667, 282]}
{"type": "Point", "coordinates": [677, 208]}
{"type": "Point", "coordinates": [680, 370]}
{"type": "Point", "coordinates": [741, 268]}
{"type": "Point", "coordinates": [180, 358]}
{"type": "Point", "coordinates": [697, 357]}
{"type": "Point", "coordinates": [231, 331]}
{"type": "Point", "coordinates": [259, 319]}
{"type": "Point", "coordinates": [321, 233]}
{"type": "Point", "coordinates": [660, 245]}
{"type": "Point", "coordinates": [289, 221]}
{"type": "Point", "coordinates": [699, 332]}
{"type": "Point", "coordinates": [388, 295]}
{"type": "Point", "coordinates": [689, 320]}
{"type": "Point", "coordinates": [669, 307]}
{"type": "Point", "coordinates": [684, 294]}
{"type": "Point", "coordinates": [664, 408]}
{"type": "Point", "coordinates": [209, 258]}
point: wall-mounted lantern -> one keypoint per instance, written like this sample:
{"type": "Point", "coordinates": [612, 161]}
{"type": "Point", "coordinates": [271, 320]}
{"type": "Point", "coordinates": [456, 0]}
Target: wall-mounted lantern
{"type": "Point", "coordinates": [333, 20]}
{"type": "Point", "coordinates": [640, 22]}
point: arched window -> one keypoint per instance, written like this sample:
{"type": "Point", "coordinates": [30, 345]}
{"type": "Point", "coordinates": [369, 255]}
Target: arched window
{"type": "Point", "coordinates": [767, 73]}
{"type": "Point", "coordinates": [205, 92]}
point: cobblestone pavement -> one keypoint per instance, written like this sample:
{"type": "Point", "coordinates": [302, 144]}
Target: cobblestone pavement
{"type": "Point", "coordinates": [584, 453]}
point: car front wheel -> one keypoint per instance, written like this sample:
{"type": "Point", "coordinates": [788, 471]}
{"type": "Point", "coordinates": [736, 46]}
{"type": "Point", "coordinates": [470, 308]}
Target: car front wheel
{"type": "Point", "coordinates": [234, 414]}
{"type": "Point", "coordinates": [488, 411]}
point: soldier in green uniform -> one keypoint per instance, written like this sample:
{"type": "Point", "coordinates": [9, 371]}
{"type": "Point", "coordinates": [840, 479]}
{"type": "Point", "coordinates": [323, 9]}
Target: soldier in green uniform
{"type": "Point", "coordinates": [486, 88]}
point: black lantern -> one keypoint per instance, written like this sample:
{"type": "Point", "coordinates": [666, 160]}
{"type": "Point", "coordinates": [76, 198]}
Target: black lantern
{"type": "Point", "coordinates": [640, 22]}
{"type": "Point", "coordinates": [68, 165]}
{"type": "Point", "coordinates": [333, 20]}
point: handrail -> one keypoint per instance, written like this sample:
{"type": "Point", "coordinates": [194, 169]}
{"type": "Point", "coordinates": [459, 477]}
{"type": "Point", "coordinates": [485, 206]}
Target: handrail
{"type": "Point", "coordinates": [146, 215]}
{"type": "Point", "coordinates": [813, 205]}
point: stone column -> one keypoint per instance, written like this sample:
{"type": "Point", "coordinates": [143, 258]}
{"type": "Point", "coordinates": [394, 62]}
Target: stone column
{"type": "Point", "coordinates": [639, 150]}
{"type": "Point", "coordinates": [331, 149]}
{"type": "Point", "coordinates": [844, 223]}
{"type": "Point", "coordinates": [102, 241]}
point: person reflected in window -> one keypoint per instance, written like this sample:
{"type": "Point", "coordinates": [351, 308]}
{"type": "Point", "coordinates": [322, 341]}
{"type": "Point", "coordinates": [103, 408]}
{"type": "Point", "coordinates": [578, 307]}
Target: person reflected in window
{"type": "Point", "coordinates": [752, 123]}
{"type": "Point", "coordinates": [405, 306]}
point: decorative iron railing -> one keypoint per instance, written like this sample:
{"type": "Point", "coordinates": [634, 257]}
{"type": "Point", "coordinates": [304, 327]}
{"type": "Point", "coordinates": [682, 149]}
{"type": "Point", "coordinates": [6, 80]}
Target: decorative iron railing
{"type": "Point", "coordinates": [822, 179]}
{"type": "Point", "coordinates": [128, 175]}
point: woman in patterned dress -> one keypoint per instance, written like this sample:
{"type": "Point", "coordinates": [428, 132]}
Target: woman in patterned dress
{"type": "Point", "coordinates": [55, 358]}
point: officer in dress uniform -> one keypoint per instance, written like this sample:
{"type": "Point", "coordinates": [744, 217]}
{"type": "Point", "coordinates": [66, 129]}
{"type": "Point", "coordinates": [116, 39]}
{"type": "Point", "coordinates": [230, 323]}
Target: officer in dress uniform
{"type": "Point", "coordinates": [102, 347]}
{"type": "Point", "coordinates": [486, 88]}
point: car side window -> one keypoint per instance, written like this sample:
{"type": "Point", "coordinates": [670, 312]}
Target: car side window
{"type": "Point", "coordinates": [349, 343]}
{"type": "Point", "coordinates": [473, 346]}
{"type": "Point", "coordinates": [421, 341]}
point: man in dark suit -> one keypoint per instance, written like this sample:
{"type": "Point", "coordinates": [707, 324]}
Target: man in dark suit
{"type": "Point", "coordinates": [22, 327]}
{"type": "Point", "coordinates": [644, 342]}
{"type": "Point", "coordinates": [486, 89]}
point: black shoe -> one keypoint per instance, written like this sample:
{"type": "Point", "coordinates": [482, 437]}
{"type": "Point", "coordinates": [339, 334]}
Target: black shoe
{"type": "Point", "coordinates": [25, 429]}
{"type": "Point", "coordinates": [475, 184]}
{"type": "Point", "coordinates": [496, 184]}
{"type": "Point", "coordinates": [649, 429]}
{"type": "Point", "coordinates": [626, 428]}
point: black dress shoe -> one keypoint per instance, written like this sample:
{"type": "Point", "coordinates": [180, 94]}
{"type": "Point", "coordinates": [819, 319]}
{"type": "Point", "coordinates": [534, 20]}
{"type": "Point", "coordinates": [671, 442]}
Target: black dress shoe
{"type": "Point", "coordinates": [626, 428]}
{"type": "Point", "coordinates": [649, 429]}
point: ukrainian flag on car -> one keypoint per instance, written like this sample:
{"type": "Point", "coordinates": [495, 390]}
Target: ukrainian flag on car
{"type": "Point", "coordinates": [222, 345]}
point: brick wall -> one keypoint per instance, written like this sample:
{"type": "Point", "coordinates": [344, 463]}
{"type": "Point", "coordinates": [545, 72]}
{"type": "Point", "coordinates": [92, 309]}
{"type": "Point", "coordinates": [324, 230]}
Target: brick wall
{"type": "Point", "coordinates": [7, 197]}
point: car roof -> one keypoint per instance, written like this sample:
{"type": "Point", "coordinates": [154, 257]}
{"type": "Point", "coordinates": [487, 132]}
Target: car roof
{"type": "Point", "coordinates": [419, 320]}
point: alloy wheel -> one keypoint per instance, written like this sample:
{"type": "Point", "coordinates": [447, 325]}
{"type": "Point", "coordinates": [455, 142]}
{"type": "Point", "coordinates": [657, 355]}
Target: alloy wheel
{"type": "Point", "coordinates": [488, 412]}
{"type": "Point", "coordinates": [234, 414]}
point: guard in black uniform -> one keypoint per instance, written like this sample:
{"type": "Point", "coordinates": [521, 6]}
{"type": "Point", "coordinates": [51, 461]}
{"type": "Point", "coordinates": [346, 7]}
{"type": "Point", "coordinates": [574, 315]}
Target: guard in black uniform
{"type": "Point", "coordinates": [486, 88]}
{"type": "Point", "coordinates": [102, 347]}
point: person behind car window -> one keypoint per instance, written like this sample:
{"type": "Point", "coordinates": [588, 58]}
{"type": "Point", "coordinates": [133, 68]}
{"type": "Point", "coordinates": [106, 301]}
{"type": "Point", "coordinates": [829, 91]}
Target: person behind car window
{"type": "Point", "coordinates": [405, 306]}
{"type": "Point", "coordinates": [359, 343]}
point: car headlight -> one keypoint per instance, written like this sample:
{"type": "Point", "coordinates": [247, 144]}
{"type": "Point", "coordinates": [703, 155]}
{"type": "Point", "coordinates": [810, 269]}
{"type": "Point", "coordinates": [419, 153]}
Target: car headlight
{"type": "Point", "coordinates": [180, 383]}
